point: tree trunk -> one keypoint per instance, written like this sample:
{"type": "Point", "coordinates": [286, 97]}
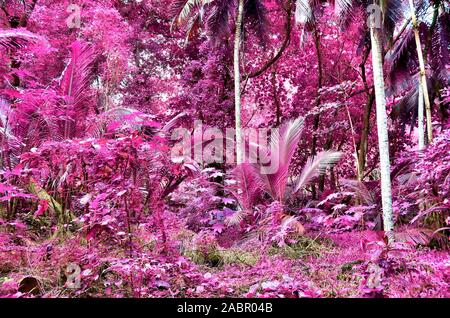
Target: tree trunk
{"type": "Point", "coordinates": [423, 78]}
{"type": "Point", "coordinates": [420, 119]}
{"type": "Point", "coordinates": [316, 123]}
{"type": "Point", "coordinates": [383, 138]}
{"type": "Point", "coordinates": [363, 142]}
{"type": "Point", "coordinates": [237, 81]}
{"type": "Point", "coordinates": [275, 97]}
{"type": "Point", "coordinates": [365, 136]}
{"type": "Point", "coordinates": [287, 40]}
{"type": "Point", "coordinates": [327, 146]}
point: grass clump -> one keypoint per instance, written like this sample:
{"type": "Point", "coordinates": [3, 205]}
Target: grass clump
{"type": "Point", "coordinates": [348, 267]}
{"type": "Point", "coordinates": [303, 246]}
{"type": "Point", "coordinates": [238, 256]}
{"type": "Point", "coordinates": [220, 257]}
{"type": "Point", "coordinates": [203, 249]}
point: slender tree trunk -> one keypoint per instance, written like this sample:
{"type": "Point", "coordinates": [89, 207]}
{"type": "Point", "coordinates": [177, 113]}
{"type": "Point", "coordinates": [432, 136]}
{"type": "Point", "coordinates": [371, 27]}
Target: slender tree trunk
{"type": "Point", "coordinates": [362, 151]}
{"type": "Point", "coordinates": [383, 138]}
{"type": "Point", "coordinates": [363, 143]}
{"type": "Point", "coordinates": [316, 123]}
{"type": "Point", "coordinates": [355, 148]}
{"type": "Point", "coordinates": [327, 146]}
{"type": "Point", "coordinates": [237, 81]}
{"type": "Point", "coordinates": [423, 78]}
{"type": "Point", "coordinates": [319, 85]}
{"type": "Point", "coordinates": [275, 96]}
{"type": "Point", "coordinates": [420, 119]}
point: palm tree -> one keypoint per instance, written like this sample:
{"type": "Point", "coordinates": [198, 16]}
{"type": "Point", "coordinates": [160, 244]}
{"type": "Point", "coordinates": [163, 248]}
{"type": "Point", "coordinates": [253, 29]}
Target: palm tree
{"type": "Point", "coordinates": [283, 145]}
{"type": "Point", "coordinates": [383, 138]}
{"type": "Point", "coordinates": [218, 24]}
{"type": "Point", "coordinates": [74, 86]}
{"type": "Point", "coordinates": [407, 57]}
{"type": "Point", "coordinates": [252, 179]}
{"type": "Point", "coordinates": [423, 90]}
{"type": "Point", "coordinates": [237, 83]}
{"type": "Point", "coordinates": [387, 13]}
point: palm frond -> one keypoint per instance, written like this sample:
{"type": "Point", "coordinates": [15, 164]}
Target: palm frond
{"type": "Point", "coordinates": [406, 110]}
{"type": "Point", "coordinates": [283, 144]}
{"type": "Point", "coordinates": [248, 187]}
{"type": "Point", "coordinates": [361, 191]}
{"type": "Point", "coordinates": [167, 127]}
{"type": "Point", "coordinates": [182, 9]}
{"type": "Point", "coordinates": [316, 166]}
{"type": "Point", "coordinates": [399, 58]}
{"type": "Point", "coordinates": [416, 236]}
{"type": "Point", "coordinates": [393, 14]}
{"type": "Point", "coordinates": [342, 6]}
{"type": "Point", "coordinates": [303, 12]}
{"type": "Point", "coordinates": [218, 20]}
{"type": "Point", "coordinates": [407, 178]}
{"type": "Point", "coordinates": [18, 38]}
{"type": "Point", "coordinates": [33, 120]}
{"type": "Point", "coordinates": [75, 83]}
{"type": "Point", "coordinates": [194, 26]}
{"type": "Point", "coordinates": [344, 10]}
{"type": "Point", "coordinates": [236, 218]}
{"type": "Point", "coordinates": [347, 10]}
{"type": "Point", "coordinates": [78, 74]}
{"type": "Point", "coordinates": [123, 117]}
{"type": "Point", "coordinates": [439, 53]}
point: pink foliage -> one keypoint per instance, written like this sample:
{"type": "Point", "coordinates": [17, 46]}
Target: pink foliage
{"type": "Point", "coordinates": [94, 204]}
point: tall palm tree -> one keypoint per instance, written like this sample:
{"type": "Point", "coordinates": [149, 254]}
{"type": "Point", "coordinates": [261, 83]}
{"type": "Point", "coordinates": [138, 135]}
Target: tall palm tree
{"type": "Point", "coordinates": [218, 22]}
{"type": "Point", "coordinates": [383, 138]}
{"type": "Point", "coordinates": [237, 83]}
{"type": "Point", "coordinates": [407, 57]}
{"type": "Point", "coordinates": [388, 14]}
{"type": "Point", "coordinates": [423, 89]}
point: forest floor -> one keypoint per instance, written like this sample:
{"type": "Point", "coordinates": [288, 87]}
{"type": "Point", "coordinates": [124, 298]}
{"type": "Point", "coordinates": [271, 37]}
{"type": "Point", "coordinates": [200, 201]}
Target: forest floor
{"type": "Point", "coordinates": [336, 266]}
{"type": "Point", "coordinates": [350, 264]}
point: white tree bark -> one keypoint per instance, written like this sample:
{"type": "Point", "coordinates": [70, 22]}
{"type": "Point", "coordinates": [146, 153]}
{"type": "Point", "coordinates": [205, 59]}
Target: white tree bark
{"type": "Point", "coordinates": [421, 137]}
{"type": "Point", "coordinates": [237, 83]}
{"type": "Point", "coordinates": [383, 138]}
{"type": "Point", "coordinates": [422, 74]}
